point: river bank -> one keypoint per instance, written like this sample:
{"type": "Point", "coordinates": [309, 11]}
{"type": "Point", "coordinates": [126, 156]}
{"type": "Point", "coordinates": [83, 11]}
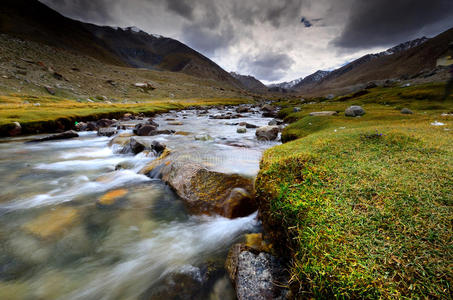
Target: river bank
{"type": "Point", "coordinates": [361, 206]}
{"type": "Point", "coordinates": [36, 115]}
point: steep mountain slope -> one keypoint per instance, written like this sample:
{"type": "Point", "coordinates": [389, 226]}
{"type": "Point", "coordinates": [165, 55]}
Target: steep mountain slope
{"type": "Point", "coordinates": [32, 20]}
{"type": "Point", "coordinates": [311, 79]}
{"type": "Point", "coordinates": [404, 60]}
{"type": "Point", "coordinates": [250, 83]}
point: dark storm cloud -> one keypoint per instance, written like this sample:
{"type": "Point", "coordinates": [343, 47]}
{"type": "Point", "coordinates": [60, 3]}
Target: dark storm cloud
{"type": "Point", "coordinates": [208, 41]}
{"type": "Point", "coordinates": [387, 22]}
{"type": "Point", "coordinates": [85, 10]}
{"type": "Point", "coordinates": [267, 66]}
{"type": "Point", "coordinates": [277, 13]}
{"type": "Point", "coordinates": [181, 7]}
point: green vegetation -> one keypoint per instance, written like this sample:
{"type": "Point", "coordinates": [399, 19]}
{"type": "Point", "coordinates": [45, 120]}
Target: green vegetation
{"type": "Point", "coordinates": [364, 204]}
{"type": "Point", "coordinates": [52, 110]}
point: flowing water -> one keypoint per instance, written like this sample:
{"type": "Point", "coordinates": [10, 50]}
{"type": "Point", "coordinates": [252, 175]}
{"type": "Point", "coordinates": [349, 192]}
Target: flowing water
{"type": "Point", "coordinates": [59, 242]}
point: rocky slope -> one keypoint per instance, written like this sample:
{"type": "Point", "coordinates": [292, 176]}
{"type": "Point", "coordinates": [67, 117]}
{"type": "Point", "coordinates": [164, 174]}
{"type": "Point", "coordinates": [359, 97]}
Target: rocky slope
{"type": "Point", "coordinates": [32, 20]}
{"type": "Point", "coordinates": [301, 82]}
{"type": "Point", "coordinates": [402, 61]}
{"type": "Point", "coordinates": [250, 83]}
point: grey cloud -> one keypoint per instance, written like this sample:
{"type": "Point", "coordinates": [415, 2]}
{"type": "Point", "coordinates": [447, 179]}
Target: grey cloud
{"type": "Point", "coordinates": [206, 40]}
{"type": "Point", "coordinates": [266, 66]}
{"type": "Point", "coordinates": [87, 10]}
{"type": "Point", "coordinates": [181, 7]}
{"type": "Point", "coordinates": [387, 22]}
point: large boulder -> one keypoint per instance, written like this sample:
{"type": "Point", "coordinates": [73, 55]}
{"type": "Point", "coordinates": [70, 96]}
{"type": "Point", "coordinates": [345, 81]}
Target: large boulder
{"type": "Point", "coordinates": [105, 123]}
{"type": "Point", "coordinates": [267, 133]}
{"type": "Point", "coordinates": [255, 275]}
{"type": "Point", "coordinates": [268, 108]}
{"type": "Point", "coordinates": [144, 129]}
{"type": "Point", "coordinates": [59, 136]}
{"type": "Point", "coordinates": [133, 146]}
{"type": "Point", "coordinates": [205, 191]}
{"type": "Point", "coordinates": [354, 111]}
{"type": "Point", "coordinates": [242, 109]}
{"type": "Point", "coordinates": [81, 126]}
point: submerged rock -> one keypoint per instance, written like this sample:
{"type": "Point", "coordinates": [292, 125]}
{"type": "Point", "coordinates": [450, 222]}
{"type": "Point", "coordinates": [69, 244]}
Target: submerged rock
{"type": "Point", "coordinates": [354, 111]}
{"type": "Point", "coordinates": [52, 224]}
{"type": "Point", "coordinates": [267, 133]}
{"type": "Point", "coordinates": [111, 197]}
{"type": "Point", "coordinates": [241, 130]}
{"type": "Point", "coordinates": [59, 136]}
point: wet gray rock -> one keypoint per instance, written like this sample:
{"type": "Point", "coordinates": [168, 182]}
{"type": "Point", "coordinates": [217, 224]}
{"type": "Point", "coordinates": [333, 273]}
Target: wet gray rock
{"type": "Point", "coordinates": [158, 147]}
{"type": "Point", "coordinates": [269, 114]}
{"type": "Point", "coordinates": [242, 109]}
{"type": "Point", "coordinates": [144, 129]}
{"type": "Point", "coordinates": [354, 111]}
{"type": "Point", "coordinates": [105, 123]}
{"type": "Point", "coordinates": [133, 146]}
{"type": "Point", "coordinates": [107, 131]}
{"type": "Point", "coordinates": [255, 275]}
{"type": "Point", "coordinates": [241, 130]}
{"type": "Point", "coordinates": [267, 133]}
{"type": "Point", "coordinates": [59, 136]}
{"type": "Point", "coordinates": [92, 126]}
{"type": "Point", "coordinates": [275, 122]}
{"type": "Point", "coordinates": [407, 111]}
{"type": "Point", "coordinates": [247, 125]}
{"type": "Point", "coordinates": [81, 126]}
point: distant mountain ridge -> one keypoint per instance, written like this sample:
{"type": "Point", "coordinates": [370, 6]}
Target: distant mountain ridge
{"type": "Point", "coordinates": [32, 20]}
{"type": "Point", "coordinates": [300, 82]}
{"type": "Point", "coordinates": [250, 82]}
{"type": "Point", "coordinates": [407, 58]}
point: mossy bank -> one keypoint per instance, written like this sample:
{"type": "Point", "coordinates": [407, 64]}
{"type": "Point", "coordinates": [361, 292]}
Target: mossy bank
{"type": "Point", "coordinates": [362, 207]}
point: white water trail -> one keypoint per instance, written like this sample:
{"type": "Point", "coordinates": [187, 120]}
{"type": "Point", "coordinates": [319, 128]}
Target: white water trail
{"type": "Point", "coordinates": [114, 180]}
{"type": "Point", "coordinates": [175, 247]}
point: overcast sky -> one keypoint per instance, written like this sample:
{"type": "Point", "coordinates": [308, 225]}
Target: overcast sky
{"type": "Point", "coordinates": [273, 40]}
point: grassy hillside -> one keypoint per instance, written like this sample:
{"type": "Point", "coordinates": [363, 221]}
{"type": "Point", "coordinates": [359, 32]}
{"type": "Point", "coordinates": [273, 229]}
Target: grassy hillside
{"type": "Point", "coordinates": [364, 205]}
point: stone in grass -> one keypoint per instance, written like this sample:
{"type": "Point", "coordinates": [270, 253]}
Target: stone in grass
{"type": "Point", "coordinates": [323, 113]}
{"type": "Point", "coordinates": [354, 111]}
{"type": "Point", "coordinates": [406, 111]}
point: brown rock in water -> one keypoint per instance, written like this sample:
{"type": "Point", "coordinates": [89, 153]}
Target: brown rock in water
{"type": "Point", "coordinates": [205, 191]}
{"type": "Point", "coordinates": [52, 224]}
{"type": "Point", "coordinates": [267, 133]}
